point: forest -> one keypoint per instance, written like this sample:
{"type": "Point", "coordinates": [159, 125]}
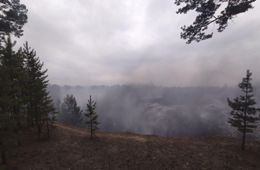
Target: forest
{"type": "Point", "coordinates": [111, 114]}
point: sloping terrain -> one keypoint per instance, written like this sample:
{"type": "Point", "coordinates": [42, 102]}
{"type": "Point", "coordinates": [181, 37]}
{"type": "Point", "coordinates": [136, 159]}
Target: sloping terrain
{"type": "Point", "coordinates": [71, 149]}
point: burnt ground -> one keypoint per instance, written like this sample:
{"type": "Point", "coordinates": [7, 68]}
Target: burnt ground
{"type": "Point", "coordinates": [71, 149]}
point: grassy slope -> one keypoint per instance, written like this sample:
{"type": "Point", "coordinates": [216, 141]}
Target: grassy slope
{"type": "Point", "coordinates": [71, 148]}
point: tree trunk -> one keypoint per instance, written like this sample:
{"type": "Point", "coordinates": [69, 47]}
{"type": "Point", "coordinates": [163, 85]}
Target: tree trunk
{"type": "Point", "coordinates": [18, 133]}
{"type": "Point", "coordinates": [39, 131]}
{"type": "Point", "coordinates": [48, 129]}
{"type": "Point", "coordinates": [91, 130]}
{"type": "Point", "coordinates": [244, 131]}
{"type": "Point", "coordinates": [29, 120]}
{"type": "Point", "coordinates": [243, 147]}
{"type": "Point", "coordinates": [18, 140]}
{"type": "Point", "coordinates": [3, 155]}
{"type": "Point", "coordinates": [243, 141]}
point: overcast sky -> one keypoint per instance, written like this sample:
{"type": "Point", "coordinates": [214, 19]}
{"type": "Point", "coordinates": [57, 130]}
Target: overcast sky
{"type": "Point", "coordinates": [97, 42]}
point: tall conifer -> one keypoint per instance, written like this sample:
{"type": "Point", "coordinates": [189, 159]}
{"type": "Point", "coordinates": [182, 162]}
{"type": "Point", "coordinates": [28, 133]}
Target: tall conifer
{"type": "Point", "coordinates": [244, 113]}
{"type": "Point", "coordinates": [39, 102]}
{"type": "Point", "coordinates": [11, 93]}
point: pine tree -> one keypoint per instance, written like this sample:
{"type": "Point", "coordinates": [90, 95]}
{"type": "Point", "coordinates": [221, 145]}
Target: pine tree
{"type": "Point", "coordinates": [13, 74]}
{"type": "Point", "coordinates": [210, 12]}
{"type": "Point", "coordinates": [70, 111]}
{"type": "Point", "coordinates": [3, 112]}
{"type": "Point", "coordinates": [12, 103]}
{"type": "Point", "coordinates": [39, 103]}
{"type": "Point", "coordinates": [244, 113]}
{"type": "Point", "coordinates": [91, 116]}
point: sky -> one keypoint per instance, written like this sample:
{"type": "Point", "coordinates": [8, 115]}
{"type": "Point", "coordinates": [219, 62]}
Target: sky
{"type": "Point", "coordinates": [86, 42]}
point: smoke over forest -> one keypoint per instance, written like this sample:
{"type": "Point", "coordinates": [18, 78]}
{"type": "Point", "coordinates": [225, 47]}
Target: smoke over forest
{"type": "Point", "coordinates": [166, 111]}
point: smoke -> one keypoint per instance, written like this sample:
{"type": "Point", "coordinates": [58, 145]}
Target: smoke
{"type": "Point", "coordinates": [167, 111]}
{"type": "Point", "coordinates": [125, 42]}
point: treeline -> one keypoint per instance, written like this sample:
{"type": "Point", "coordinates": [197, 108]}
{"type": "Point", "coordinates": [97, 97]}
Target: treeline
{"type": "Point", "coordinates": [25, 103]}
{"type": "Point", "coordinates": [244, 115]}
{"type": "Point", "coordinates": [157, 110]}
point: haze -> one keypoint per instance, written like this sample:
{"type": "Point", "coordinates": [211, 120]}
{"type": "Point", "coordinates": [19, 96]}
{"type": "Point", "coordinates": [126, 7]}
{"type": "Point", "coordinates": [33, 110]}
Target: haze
{"type": "Point", "coordinates": [137, 42]}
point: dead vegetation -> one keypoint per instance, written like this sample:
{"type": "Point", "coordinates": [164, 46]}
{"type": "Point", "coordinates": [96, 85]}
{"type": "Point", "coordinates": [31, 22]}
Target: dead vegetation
{"type": "Point", "coordinates": [71, 149]}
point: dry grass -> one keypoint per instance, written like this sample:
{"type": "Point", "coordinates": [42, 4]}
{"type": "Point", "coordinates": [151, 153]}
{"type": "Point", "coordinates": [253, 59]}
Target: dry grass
{"type": "Point", "coordinates": [71, 149]}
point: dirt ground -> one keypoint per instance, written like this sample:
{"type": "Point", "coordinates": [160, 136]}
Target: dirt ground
{"type": "Point", "coordinates": [71, 149]}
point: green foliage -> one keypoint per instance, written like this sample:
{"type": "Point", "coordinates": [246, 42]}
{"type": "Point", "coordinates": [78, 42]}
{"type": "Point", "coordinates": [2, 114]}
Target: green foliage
{"type": "Point", "coordinates": [13, 15]}
{"type": "Point", "coordinates": [24, 99]}
{"type": "Point", "coordinates": [91, 116]}
{"type": "Point", "coordinates": [70, 111]}
{"type": "Point", "coordinates": [12, 103]}
{"type": "Point", "coordinates": [12, 77]}
{"type": "Point", "coordinates": [39, 103]}
{"type": "Point", "coordinates": [217, 12]}
{"type": "Point", "coordinates": [244, 113]}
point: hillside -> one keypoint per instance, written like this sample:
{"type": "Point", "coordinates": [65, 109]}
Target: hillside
{"type": "Point", "coordinates": [71, 149]}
